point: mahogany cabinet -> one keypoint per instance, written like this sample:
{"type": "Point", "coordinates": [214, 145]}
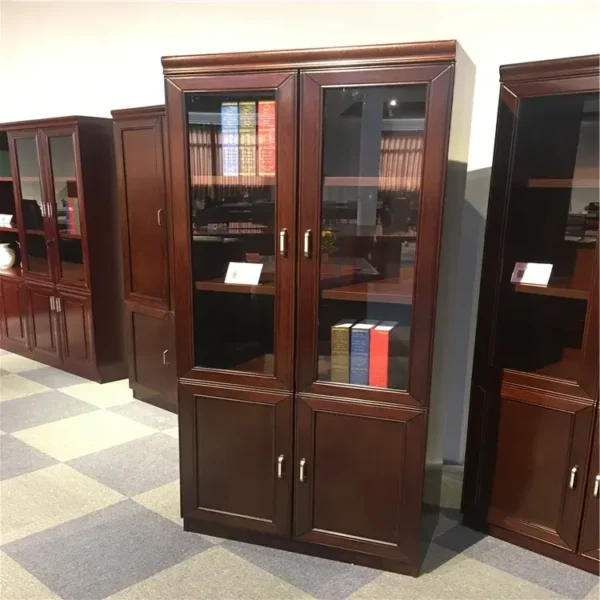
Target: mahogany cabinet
{"type": "Point", "coordinates": [145, 212]}
{"type": "Point", "coordinates": [61, 300]}
{"type": "Point", "coordinates": [531, 468]}
{"type": "Point", "coordinates": [310, 188]}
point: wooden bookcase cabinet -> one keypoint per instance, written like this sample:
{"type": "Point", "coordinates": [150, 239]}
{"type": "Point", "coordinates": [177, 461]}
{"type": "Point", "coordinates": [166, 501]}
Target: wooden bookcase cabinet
{"type": "Point", "coordinates": [272, 451]}
{"type": "Point", "coordinates": [145, 212]}
{"type": "Point", "coordinates": [531, 472]}
{"type": "Point", "coordinates": [60, 303]}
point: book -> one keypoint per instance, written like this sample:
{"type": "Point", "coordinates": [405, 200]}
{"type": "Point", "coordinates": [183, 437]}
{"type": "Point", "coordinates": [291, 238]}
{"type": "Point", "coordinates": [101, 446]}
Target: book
{"type": "Point", "coordinates": [340, 351]}
{"type": "Point", "coordinates": [230, 138]}
{"type": "Point", "coordinates": [359, 351]}
{"type": "Point", "coordinates": [388, 353]}
{"type": "Point", "coordinates": [247, 138]}
{"type": "Point", "coordinates": [266, 138]}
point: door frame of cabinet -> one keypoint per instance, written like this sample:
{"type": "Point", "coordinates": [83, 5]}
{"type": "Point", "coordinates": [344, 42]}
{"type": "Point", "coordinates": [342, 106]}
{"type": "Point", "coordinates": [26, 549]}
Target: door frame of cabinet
{"type": "Point", "coordinates": [189, 394]}
{"type": "Point", "coordinates": [52, 357]}
{"type": "Point", "coordinates": [71, 131]}
{"type": "Point", "coordinates": [284, 83]}
{"type": "Point", "coordinates": [438, 78]}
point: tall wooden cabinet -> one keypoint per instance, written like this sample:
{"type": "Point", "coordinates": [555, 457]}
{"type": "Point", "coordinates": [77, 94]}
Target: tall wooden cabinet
{"type": "Point", "coordinates": [531, 474]}
{"type": "Point", "coordinates": [61, 302]}
{"type": "Point", "coordinates": [310, 188]}
{"type": "Point", "coordinates": [145, 213]}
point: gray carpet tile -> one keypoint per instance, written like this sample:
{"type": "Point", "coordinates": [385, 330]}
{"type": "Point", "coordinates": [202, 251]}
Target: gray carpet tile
{"type": "Point", "coordinates": [3, 372]}
{"type": "Point", "coordinates": [18, 458]}
{"type": "Point", "coordinates": [133, 467]}
{"type": "Point", "coordinates": [39, 409]}
{"type": "Point", "coordinates": [545, 572]}
{"type": "Point", "coordinates": [323, 579]}
{"type": "Point", "coordinates": [53, 377]}
{"type": "Point", "coordinates": [459, 538]}
{"type": "Point", "coordinates": [99, 554]}
{"type": "Point", "coordinates": [146, 414]}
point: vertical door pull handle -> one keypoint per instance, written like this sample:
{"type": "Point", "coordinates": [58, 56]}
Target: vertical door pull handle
{"type": "Point", "coordinates": [159, 216]}
{"type": "Point", "coordinates": [57, 304]}
{"type": "Point", "coordinates": [280, 466]}
{"type": "Point", "coordinates": [165, 352]}
{"type": "Point", "coordinates": [283, 234]}
{"type": "Point", "coordinates": [573, 477]}
{"type": "Point", "coordinates": [307, 243]}
{"type": "Point", "coordinates": [596, 486]}
{"type": "Point", "coordinates": [52, 303]}
{"type": "Point", "coordinates": [43, 209]}
{"type": "Point", "coordinates": [302, 473]}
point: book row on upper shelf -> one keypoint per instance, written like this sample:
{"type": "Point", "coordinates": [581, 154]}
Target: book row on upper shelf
{"type": "Point", "coordinates": [370, 353]}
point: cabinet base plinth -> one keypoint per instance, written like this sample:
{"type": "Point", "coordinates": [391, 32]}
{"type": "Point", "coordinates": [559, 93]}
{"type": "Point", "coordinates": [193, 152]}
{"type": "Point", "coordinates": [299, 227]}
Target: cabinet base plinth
{"type": "Point", "coordinates": [261, 539]}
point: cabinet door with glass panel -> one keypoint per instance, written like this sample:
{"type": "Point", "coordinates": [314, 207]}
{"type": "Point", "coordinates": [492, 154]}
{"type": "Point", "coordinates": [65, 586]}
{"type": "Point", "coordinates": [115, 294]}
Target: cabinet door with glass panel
{"type": "Point", "coordinates": [548, 310]}
{"type": "Point", "coordinates": [232, 143]}
{"type": "Point", "coordinates": [373, 157]}
{"type": "Point", "coordinates": [66, 214]}
{"type": "Point", "coordinates": [36, 238]}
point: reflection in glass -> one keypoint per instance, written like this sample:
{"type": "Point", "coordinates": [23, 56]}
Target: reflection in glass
{"type": "Point", "coordinates": [373, 139]}
{"type": "Point", "coordinates": [66, 207]}
{"type": "Point", "coordinates": [553, 220]}
{"type": "Point", "coordinates": [29, 183]}
{"type": "Point", "coordinates": [37, 254]}
{"type": "Point", "coordinates": [232, 204]}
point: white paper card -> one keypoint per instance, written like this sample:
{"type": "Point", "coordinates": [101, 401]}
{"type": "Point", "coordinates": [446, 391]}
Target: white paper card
{"type": "Point", "coordinates": [244, 273]}
{"type": "Point", "coordinates": [531, 273]}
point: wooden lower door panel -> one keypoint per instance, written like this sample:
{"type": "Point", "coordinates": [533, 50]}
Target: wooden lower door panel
{"type": "Point", "coordinates": [589, 542]}
{"type": "Point", "coordinates": [44, 337]}
{"type": "Point", "coordinates": [358, 476]}
{"type": "Point", "coordinates": [542, 452]}
{"type": "Point", "coordinates": [151, 373]}
{"type": "Point", "coordinates": [13, 315]}
{"type": "Point", "coordinates": [75, 316]}
{"type": "Point", "coordinates": [236, 450]}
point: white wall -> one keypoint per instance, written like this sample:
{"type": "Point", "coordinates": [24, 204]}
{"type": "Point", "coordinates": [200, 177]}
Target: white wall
{"type": "Point", "coordinates": [88, 58]}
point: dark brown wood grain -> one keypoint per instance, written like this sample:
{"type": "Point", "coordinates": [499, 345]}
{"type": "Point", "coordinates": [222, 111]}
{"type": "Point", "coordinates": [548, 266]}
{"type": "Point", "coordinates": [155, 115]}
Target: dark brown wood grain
{"type": "Point", "coordinates": [589, 542]}
{"type": "Point", "coordinates": [13, 314]}
{"type": "Point", "coordinates": [43, 325]}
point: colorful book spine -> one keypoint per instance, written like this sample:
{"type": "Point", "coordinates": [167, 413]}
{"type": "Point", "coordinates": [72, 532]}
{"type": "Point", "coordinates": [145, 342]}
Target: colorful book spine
{"type": "Point", "coordinates": [389, 355]}
{"type": "Point", "coordinates": [230, 138]}
{"type": "Point", "coordinates": [340, 351]}
{"type": "Point", "coordinates": [359, 352]}
{"type": "Point", "coordinates": [266, 138]}
{"type": "Point", "coordinates": [247, 138]}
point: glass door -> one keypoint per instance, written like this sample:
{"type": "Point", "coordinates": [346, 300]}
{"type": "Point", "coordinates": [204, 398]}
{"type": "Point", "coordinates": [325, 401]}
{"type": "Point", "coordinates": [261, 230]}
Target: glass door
{"type": "Point", "coordinates": [239, 166]}
{"type": "Point", "coordinates": [363, 224]}
{"type": "Point", "coordinates": [66, 204]}
{"type": "Point", "coordinates": [549, 296]}
{"type": "Point", "coordinates": [36, 240]}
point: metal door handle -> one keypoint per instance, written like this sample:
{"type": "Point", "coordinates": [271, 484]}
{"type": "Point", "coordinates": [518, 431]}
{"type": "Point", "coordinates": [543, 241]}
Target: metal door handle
{"type": "Point", "coordinates": [159, 216]}
{"type": "Point", "coordinates": [165, 352]}
{"type": "Point", "coordinates": [307, 243]}
{"type": "Point", "coordinates": [48, 242]}
{"type": "Point", "coordinates": [302, 474]}
{"type": "Point", "coordinates": [596, 486]}
{"type": "Point", "coordinates": [280, 466]}
{"type": "Point", "coordinates": [43, 209]}
{"type": "Point", "coordinates": [52, 303]}
{"type": "Point", "coordinates": [283, 234]}
{"type": "Point", "coordinates": [58, 304]}
{"type": "Point", "coordinates": [573, 477]}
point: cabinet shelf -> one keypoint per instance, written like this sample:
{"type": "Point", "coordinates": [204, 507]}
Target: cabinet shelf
{"type": "Point", "coordinates": [9, 179]}
{"type": "Point", "coordinates": [9, 229]}
{"type": "Point", "coordinates": [384, 182]}
{"type": "Point", "coordinates": [35, 232]}
{"type": "Point", "coordinates": [219, 285]}
{"type": "Point", "coordinates": [241, 180]}
{"type": "Point", "coordinates": [390, 290]}
{"type": "Point", "coordinates": [561, 289]}
{"type": "Point", "coordinates": [12, 273]}
{"type": "Point", "coordinates": [69, 236]}
{"type": "Point", "coordinates": [583, 178]}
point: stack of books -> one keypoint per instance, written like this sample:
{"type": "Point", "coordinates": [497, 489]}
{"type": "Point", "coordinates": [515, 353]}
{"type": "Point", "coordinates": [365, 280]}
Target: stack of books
{"type": "Point", "coordinates": [369, 353]}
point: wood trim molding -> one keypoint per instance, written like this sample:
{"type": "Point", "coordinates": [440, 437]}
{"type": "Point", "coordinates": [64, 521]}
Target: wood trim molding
{"type": "Point", "coordinates": [158, 110]}
{"type": "Point", "coordinates": [51, 122]}
{"type": "Point", "coordinates": [551, 69]}
{"type": "Point", "coordinates": [377, 55]}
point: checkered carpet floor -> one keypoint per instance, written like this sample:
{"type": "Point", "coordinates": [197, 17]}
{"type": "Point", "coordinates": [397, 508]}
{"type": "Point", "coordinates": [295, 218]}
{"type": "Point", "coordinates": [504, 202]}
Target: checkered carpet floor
{"type": "Point", "coordinates": [90, 509]}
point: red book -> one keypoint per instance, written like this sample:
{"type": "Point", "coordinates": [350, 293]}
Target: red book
{"type": "Point", "coordinates": [266, 137]}
{"type": "Point", "coordinates": [387, 355]}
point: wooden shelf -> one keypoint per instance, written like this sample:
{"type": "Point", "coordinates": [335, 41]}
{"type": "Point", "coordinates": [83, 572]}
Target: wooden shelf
{"type": "Point", "coordinates": [562, 289]}
{"type": "Point", "coordinates": [583, 178]}
{"type": "Point", "coordinates": [69, 236]}
{"type": "Point", "coordinates": [9, 229]}
{"type": "Point", "coordinates": [6, 179]}
{"type": "Point", "coordinates": [243, 180]}
{"type": "Point", "coordinates": [35, 232]}
{"type": "Point", "coordinates": [391, 290]}
{"type": "Point", "coordinates": [219, 285]}
{"type": "Point", "coordinates": [12, 273]}
{"type": "Point", "coordinates": [384, 182]}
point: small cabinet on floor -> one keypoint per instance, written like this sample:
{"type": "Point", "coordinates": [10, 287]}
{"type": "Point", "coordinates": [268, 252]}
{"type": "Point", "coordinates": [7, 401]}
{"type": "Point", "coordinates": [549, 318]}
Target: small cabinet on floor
{"type": "Point", "coordinates": [44, 325]}
{"type": "Point", "coordinates": [13, 314]}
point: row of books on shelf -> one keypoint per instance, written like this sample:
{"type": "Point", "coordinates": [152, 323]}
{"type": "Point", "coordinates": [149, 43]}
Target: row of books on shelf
{"type": "Point", "coordinates": [248, 138]}
{"type": "Point", "coordinates": [238, 227]}
{"type": "Point", "coordinates": [370, 353]}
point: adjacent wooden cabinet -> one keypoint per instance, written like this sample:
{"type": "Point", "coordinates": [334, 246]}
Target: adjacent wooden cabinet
{"type": "Point", "coordinates": [145, 213]}
{"type": "Point", "coordinates": [531, 473]}
{"type": "Point", "coordinates": [62, 299]}
{"type": "Point", "coordinates": [308, 188]}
